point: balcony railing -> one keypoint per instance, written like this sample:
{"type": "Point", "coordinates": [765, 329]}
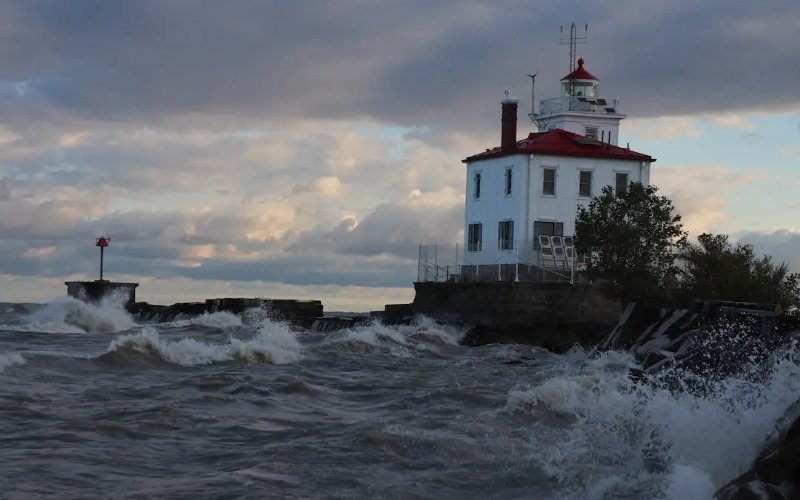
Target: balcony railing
{"type": "Point", "coordinates": [552, 260]}
{"type": "Point", "coordinates": [576, 103]}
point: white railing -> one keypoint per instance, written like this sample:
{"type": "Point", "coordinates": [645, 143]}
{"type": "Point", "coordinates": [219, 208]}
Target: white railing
{"type": "Point", "coordinates": [575, 103]}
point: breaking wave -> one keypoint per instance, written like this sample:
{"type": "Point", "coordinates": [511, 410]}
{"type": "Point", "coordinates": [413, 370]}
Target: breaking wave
{"type": "Point", "coordinates": [8, 360]}
{"type": "Point", "coordinates": [607, 436]}
{"type": "Point", "coordinates": [222, 320]}
{"type": "Point", "coordinates": [68, 315]}
{"type": "Point", "coordinates": [273, 343]}
{"type": "Point", "coordinates": [422, 335]}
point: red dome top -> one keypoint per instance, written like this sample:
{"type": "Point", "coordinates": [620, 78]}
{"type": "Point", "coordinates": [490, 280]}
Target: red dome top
{"type": "Point", "coordinates": [580, 73]}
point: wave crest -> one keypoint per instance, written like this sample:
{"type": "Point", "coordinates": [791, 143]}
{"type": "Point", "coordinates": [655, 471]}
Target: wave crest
{"type": "Point", "coordinates": [609, 436]}
{"type": "Point", "coordinates": [8, 360]}
{"type": "Point", "coordinates": [424, 335]}
{"type": "Point", "coordinates": [68, 315]}
{"type": "Point", "coordinates": [273, 343]}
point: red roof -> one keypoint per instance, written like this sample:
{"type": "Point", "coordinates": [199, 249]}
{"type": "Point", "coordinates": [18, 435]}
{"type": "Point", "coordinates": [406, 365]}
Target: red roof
{"type": "Point", "coordinates": [580, 74]}
{"type": "Point", "coordinates": [558, 142]}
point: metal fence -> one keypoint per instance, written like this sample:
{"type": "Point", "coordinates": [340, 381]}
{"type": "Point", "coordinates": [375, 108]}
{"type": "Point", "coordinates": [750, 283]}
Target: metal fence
{"type": "Point", "coordinates": [550, 259]}
{"type": "Point", "coordinates": [439, 262]}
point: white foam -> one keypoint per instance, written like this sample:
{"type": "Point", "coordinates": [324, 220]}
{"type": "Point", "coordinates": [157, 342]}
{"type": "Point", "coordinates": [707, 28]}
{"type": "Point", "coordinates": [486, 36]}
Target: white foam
{"type": "Point", "coordinates": [592, 425]}
{"type": "Point", "coordinates": [8, 360]}
{"type": "Point", "coordinates": [422, 335]}
{"type": "Point", "coordinates": [222, 320]}
{"type": "Point", "coordinates": [686, 482]}
{"type": "Point", "coordinates": [273, 343]}
{"type": "Point", "coordinates": [68, 315]}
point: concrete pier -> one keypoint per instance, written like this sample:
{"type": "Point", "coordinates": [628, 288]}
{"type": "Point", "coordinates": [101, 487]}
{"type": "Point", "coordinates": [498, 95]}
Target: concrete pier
{"type": "Point", "coordinates": [95, 291]}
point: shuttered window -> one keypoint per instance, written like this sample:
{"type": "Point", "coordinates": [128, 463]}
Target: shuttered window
{"type": "Point", "coordinates": [505, 235]}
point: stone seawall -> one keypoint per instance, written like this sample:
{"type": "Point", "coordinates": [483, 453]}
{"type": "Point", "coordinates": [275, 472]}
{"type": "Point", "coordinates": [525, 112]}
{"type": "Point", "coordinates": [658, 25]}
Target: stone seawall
{"type": "Point", "coordinates": [297, 312]}
{"type": "Point", "coordinates": [551, 315]}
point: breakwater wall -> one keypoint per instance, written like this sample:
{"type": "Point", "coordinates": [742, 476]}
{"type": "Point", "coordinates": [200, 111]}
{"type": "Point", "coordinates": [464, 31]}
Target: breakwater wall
{"type": "Point", "coordinates": [298, 312]}
{"type": "Point", "coordinates": [95, 291]}
{"type": "Point", "coordinates": [551, 315]}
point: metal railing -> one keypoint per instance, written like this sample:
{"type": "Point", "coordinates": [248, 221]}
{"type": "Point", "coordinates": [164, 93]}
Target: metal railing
{"type": "Point", "coordinates": [553, 262]}
{"type": "Point", "coordinates": [439, 263]}
{"type": "Point", "coordinates": [576, 103]}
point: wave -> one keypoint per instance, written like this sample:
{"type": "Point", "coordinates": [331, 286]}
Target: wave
{"type": "Point", "coordinates": [608, 436]}
{"type": "Point", "coordinates": [9, 360]}
{"type": "Point", "coordinates": [68, 315]}
{"type": "Point", "coordinates": [222, 320]}
{"type": "Point", "coordinates": [272, 343]}
{"type": "Point", "coordinates": [422, 335]}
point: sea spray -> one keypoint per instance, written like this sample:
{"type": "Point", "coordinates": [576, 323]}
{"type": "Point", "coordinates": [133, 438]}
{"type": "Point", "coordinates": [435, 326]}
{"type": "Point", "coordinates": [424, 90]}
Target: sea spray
{"type": "Point", "coordinates": [68, 315]}
{"type": "Point", "coordinates": [602, 434]}
{"type": "Point", "coordinates": [223, 320]}
{"type": "Point", "coordinates": [9, 360]}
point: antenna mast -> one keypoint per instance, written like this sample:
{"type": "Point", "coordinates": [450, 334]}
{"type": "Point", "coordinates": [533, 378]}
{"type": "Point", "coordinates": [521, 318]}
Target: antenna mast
{"type": "Point", "coordinates": [533, 100]}
{"type": "Point", "coordinates": [573, 42]}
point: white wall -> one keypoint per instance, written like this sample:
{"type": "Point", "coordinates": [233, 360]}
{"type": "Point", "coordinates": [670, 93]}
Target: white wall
{"type": "Point", "coordinates": [577, 123]}
{"type": "Point", "coordinates": [563, 206]}
{"type": "Point", "coordinates": [527, 203]}
{"type": "Point", "coordinates": [494, 206]}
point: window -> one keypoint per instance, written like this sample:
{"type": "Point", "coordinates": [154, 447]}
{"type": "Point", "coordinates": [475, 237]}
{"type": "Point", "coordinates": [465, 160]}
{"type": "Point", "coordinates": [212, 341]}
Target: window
{"type": "Point", "coordinates": [591, 133]}
{"type": "Point", "coordinates": [585, 184]}
{"type": "Point", "coordinates": [508, 182]}
{"type": "Point", "coordinates": [477, 186]}
{"type": "Point", "coordinates": [546, 228]}
{"type": "Point", "coordinates": [474, 237]}
{"type": "Point", "coordinates": [505, 235]}
{"type": "Point", "coordinates": [622, 183]}
{"type": "Point", "coordinates": [549, 181]}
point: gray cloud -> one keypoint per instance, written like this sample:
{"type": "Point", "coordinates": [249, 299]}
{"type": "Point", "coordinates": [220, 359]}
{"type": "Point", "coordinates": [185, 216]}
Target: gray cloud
{"type": "Point", "coordinates": [5, 189]}
{"type": "Point", "coordinates": [395, 229]}
{"type": "Point", "coordinates": [247, 140]}
{"type": "Point", "coordinates": [782, 245]}
{"type": "Point", "coordinates": [411, 63]}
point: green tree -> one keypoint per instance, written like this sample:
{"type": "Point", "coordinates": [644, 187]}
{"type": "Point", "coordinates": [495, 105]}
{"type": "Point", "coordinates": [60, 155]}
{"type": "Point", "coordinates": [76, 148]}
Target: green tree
{"type": "Point", "coordinates": [713, 268]}
{"type": "Point", "coordinates": [634, 238]}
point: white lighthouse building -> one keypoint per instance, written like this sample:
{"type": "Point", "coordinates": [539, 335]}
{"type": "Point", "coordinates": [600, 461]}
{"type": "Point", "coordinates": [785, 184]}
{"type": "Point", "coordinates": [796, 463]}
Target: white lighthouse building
{"type": "Point", "coordinates": [522, 197]}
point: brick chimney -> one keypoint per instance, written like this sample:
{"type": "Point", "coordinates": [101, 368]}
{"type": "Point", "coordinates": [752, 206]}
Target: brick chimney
{"type": "Point", "coordinates": [508, 137]}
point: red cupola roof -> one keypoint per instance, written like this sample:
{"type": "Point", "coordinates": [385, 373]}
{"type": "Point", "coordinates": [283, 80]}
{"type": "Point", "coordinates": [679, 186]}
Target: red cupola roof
{"type": "Point", "coordinates": [580, 73]}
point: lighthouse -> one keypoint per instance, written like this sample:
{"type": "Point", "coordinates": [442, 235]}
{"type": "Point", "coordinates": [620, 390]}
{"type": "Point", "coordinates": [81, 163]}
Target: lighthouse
{"type": "Point", "coordinates": [522, 197]}
{"type": "Point", "coordinates": [580, 109]}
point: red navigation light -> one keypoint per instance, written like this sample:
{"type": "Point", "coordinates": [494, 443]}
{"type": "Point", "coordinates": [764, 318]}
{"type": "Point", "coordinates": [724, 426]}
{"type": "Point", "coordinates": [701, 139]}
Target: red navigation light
{"type": "Point", "coordinates": [102, 241]}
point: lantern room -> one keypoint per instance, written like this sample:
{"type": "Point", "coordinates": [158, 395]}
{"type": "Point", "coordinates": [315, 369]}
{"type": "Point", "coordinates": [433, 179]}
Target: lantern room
{"type": "Point", "coordinates": [580, 83]}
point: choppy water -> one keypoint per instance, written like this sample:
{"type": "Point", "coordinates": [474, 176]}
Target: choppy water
{"type": "Point", "coordinates": [94, 405]}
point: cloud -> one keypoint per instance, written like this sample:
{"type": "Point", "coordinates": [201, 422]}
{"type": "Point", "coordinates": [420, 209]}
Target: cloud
{"type": "Point", "coordinates": [5, 189]}
{"type": "Point", "coordinates": [734, 121]}
{"type": "Point", "coordinates": [318, 144]}
{"type": "Point", "coordinates": [701, 202]}
{"type": "Point", "coordinates": [160, 196]}
{"type": "Point", "coordinates": [783, 245]}
{"type": "Point", "coordinates": [665, 128]}
{"type": "Point", "coordinates": [151, 62]}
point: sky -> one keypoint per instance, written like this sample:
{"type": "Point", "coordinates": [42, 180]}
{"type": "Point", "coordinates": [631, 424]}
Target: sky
{"type": "Point", "coordinates": [305, 150]}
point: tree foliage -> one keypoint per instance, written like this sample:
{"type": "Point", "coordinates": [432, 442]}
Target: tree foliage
{"type": "Point", "coordinates": [634, 238]}
{"type": "Point", "coordinates": [714, 268]}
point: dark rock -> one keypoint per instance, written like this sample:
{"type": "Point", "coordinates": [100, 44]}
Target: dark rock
{"type": "Point", "coordinates": [756, 490]}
